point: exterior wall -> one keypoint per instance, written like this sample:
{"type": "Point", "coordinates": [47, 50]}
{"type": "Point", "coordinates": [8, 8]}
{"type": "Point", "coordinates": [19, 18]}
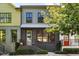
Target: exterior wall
{"type": "Point", "coordinates": [9, 45]}
{"type": "Point", "coordinates": [35, 14]}
{"type": "Point", "coordinates": [7, 7]}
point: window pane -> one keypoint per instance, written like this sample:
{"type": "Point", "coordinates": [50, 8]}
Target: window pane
{"type": "Point", "coordinates": [45, 36]}
{"type": "Point", "coordinates": [5, 17]}
{"type": "Point", "coordinates": [40, 18]}
{"type": "Point", "coordinates": [42, 36]}
{"type": "Point", "coordinates": [28, 17]}
{"type": "Point", "coordinates": [39, 35]}
{"type": "Point", "coordinates": [2, 35]}
{"type": "Point", "coordinates": [14, 35]}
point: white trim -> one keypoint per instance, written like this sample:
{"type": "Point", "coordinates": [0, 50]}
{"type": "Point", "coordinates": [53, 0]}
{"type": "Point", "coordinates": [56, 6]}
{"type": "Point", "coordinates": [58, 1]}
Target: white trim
{"type": "Point", "coordinates": [34, 26]}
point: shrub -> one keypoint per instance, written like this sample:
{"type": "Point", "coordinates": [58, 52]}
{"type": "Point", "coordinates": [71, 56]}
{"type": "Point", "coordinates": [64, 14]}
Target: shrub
{"type": "Point", "coordinates": [58, 46]}
{"type": "Point", "coordinates": [71, 50]}
{"type": "Point", "coordinates": [17, 44]}
{"type": "Point", "coordinates": [42, 52]}
{"type": "Point", "coordinates": [12, 53]}
{"type": "Point", "coordinates": [23, 51]}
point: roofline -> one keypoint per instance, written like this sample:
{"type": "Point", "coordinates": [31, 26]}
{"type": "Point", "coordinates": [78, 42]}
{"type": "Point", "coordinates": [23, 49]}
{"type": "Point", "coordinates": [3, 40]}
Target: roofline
{"type": "Point", "coordinates": [37, 5]}
{"type": "Point", "coordinates": [14, 6]}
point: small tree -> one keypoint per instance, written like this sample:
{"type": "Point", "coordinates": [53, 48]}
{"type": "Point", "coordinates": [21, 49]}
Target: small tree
{"type": "Point", "coordinates": [63, 19]}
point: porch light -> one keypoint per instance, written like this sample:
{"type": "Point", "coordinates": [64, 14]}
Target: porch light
{"type": "Point", "coordinates": [21, 43]}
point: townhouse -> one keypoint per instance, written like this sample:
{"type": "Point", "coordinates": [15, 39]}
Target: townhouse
{"type": "Point", "coordinates": [9, 26]}
{"type": "Point", "coordinates": [33, 28]}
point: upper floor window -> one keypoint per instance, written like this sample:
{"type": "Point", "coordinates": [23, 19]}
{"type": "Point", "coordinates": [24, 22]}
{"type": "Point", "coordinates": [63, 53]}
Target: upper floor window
{"type": "Point", "coordinates": [40, 18]}
{"type": "Point", "coordinates": [5, 17]}
{"type": "Point", "coordinates": [29, 17]}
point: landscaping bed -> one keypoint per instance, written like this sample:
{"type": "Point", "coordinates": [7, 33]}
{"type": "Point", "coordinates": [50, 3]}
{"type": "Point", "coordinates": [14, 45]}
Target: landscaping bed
{"type": "Point", "coordinates": [68, 51]}
{"type": "Point", "coordinates": [29, 50]}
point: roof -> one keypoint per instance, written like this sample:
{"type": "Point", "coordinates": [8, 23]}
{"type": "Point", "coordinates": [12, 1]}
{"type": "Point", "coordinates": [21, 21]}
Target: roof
{"type": "Point", "coordinates": [34, 26]}
{"type": "Point", "coordinates": [33, 4]}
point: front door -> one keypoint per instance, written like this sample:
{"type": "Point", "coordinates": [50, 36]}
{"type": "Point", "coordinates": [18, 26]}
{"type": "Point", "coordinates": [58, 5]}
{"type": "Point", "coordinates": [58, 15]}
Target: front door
{"type": "Point", "coordinates": [29, 37]}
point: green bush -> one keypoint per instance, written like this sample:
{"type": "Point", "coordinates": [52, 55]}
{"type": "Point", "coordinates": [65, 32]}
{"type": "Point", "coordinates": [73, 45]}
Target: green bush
{"type": "Point", "coordinates": [23, 51]}
{"type": "Point", "coordinates": [12, 53]}
{"type": "Point", "coordinates": [17, 44]}
{"type": "Point", "coordinates": [71, 50]}
{"type": "Point", "coordinates": [42, 52]}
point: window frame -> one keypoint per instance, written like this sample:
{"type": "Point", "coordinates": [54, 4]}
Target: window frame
{"type": "Point", "coordinates": [6, 17]}
{"type": "Point", "coordinates": [29, 16]}
{"type": "Point", "coordinates": [13, 39]}
{"type": "Point", "coordinates": [42, 32]}
{"type": "Point", "coordinates": [40, 17]}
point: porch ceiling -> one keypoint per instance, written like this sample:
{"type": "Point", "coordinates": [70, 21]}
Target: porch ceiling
{"type": "Point", "coordinates": [34, 26]}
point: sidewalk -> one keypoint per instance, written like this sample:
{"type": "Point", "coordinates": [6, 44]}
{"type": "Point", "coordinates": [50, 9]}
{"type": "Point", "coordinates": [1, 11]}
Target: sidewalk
{"type": "Point", "coordinates": [49, 54]}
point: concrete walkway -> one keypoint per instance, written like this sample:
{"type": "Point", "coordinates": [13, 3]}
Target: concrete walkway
{"type": "Point", "coordinates": [53, 54]}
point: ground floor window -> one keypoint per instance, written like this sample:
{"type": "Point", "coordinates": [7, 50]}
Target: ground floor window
{"type": "Point", "coordinates": [42, 36]}
{"type": "Point", "coordinates": [2, 35]}
{"type": "Point", "coordinates": [14, 35]}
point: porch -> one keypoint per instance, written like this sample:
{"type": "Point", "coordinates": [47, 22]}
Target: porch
{"type": "Point", "coordinates": [39, 37]}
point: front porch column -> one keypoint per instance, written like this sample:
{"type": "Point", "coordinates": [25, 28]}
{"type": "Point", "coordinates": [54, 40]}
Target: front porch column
{"type": "Point", "coordinates": [23, 36]}
{"type": "Point", "coordinates": [33, 37]}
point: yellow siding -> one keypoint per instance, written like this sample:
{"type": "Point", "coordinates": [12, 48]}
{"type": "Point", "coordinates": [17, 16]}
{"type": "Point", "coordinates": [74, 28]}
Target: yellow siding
{"type": "Point", "coordinates": [6, 7]}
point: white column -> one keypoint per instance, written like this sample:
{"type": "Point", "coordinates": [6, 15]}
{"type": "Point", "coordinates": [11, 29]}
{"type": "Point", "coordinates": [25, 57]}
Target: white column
{"type": "Point", "coordinates": [18, 35]}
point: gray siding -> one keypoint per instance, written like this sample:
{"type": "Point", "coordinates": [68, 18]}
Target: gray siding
{"type": "Point", "coordinates": [34, 13]}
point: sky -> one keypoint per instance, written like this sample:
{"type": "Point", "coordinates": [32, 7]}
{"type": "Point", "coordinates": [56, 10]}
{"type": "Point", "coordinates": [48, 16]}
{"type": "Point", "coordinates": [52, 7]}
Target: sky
{"type": "Point", "coordinates": [19, 4]}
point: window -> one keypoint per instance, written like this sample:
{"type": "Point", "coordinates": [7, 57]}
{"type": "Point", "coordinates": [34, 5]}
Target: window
{"type": "Point", "coordinates": [40, 18]}
{"type": "Point", "coordinates": [42, 36]}
{"type": "Point", "coordinates": [39, 35]}
{"type": "Point", "coordinates": [45, 37]}
{"type": "Point", "coordinates": [5, 17]}
{"type": "Point", "coordinates": [14, 35]}
{"type": "Point", "coordinates": [2, 35]}
{"type": "Point", "coordinates": [29, 17]}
